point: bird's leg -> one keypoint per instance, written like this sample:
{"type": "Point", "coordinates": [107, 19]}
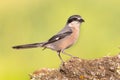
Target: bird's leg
{"type": "Point", "coordinates": [60, 56]}
{"type": "Point", "coordinates": [67, 54]}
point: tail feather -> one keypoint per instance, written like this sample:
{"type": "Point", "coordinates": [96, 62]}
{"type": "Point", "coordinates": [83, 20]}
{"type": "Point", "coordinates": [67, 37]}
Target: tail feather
{"type": "Point", "coordinates": [26, 46]}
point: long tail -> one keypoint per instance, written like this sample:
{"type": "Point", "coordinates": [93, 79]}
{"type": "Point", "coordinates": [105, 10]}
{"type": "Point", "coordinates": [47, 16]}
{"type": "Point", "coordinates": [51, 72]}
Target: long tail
{"type": "Point", "coordinates": [26, 46]}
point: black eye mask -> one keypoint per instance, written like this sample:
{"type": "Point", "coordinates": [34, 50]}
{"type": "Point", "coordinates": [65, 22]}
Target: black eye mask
{"type": "Point", "coordinates": [75, 19]}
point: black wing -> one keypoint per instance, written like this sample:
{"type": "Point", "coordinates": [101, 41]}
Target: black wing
{"type": "Point", "coordinates": [58, 37]}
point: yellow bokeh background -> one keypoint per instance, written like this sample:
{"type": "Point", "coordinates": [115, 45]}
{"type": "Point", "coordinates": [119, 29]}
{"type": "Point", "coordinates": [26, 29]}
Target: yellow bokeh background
{"type": "Point", "coordinates": [29, 21]}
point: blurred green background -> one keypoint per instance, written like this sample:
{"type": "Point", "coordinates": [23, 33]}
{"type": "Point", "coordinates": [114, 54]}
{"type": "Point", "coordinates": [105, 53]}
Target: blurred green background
{"type": "Point", "coordinates": [29, 21]}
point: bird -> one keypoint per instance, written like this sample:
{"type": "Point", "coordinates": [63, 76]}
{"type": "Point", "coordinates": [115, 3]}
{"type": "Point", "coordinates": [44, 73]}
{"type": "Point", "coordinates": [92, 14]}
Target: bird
{"type": "Point", "coordinates": [61, 41]}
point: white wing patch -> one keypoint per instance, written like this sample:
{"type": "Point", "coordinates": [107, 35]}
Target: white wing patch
{"type": "Point", "coordinates": [57, 38]}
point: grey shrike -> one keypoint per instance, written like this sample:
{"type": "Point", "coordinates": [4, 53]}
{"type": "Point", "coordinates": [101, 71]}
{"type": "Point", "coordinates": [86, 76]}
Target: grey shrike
{"type": "Point", "coordinates": [62, 40]}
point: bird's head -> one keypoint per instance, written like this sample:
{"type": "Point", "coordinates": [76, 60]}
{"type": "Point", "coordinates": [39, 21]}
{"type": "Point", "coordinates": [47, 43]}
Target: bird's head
{"type": "Point", "coordinates": [75, 18]}
{"type": "Point", "coordinates": [75, 21]}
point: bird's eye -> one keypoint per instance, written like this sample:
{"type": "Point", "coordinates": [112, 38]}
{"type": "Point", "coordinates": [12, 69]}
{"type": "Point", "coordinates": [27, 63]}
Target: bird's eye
{"type": "Point", "coordinates": [73, 19]}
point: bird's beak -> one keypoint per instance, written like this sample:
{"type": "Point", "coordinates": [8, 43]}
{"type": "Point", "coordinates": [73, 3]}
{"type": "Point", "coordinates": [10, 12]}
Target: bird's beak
{"type": "Point", "coordinates": [82, 20]}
